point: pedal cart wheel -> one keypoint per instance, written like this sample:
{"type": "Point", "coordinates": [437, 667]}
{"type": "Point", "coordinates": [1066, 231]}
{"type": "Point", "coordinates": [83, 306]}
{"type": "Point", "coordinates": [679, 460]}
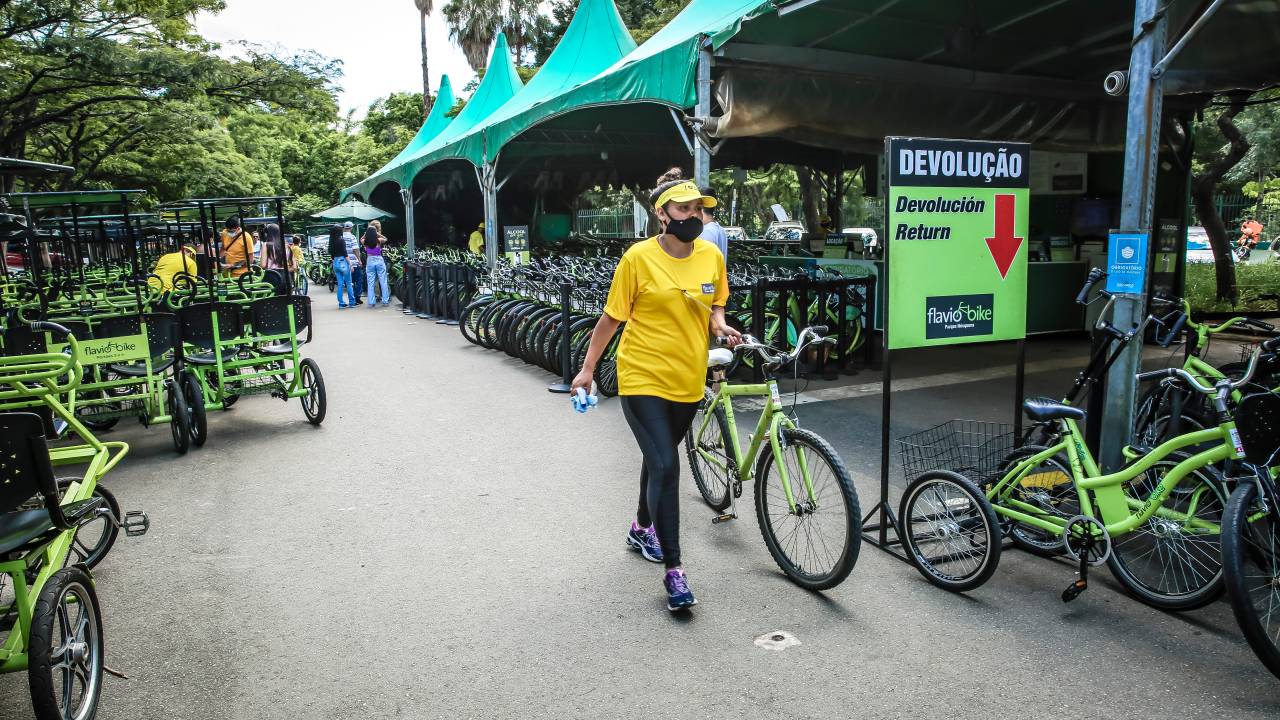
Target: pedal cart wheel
{"type": "Point", "coordinates": [199, 417]}
{"type": "Point", "coordinates": [65, 671]}
{"type": "Point", "coordinates": [314, 404]}
{"type": "Point", "coordinates": [949, 530]}
{"type": "Point", "coordinates": [95, 538]}
{"type": "Point", "coordinates": [179, 425]}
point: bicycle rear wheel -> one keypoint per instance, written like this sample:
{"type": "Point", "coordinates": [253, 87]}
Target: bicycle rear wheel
{"type": "Point", "coordinates": [1173, 564]}
{"type": "Point", "coordinates": [949, 530]}
{"type": "Point", "coordinates": [1251, 564]}
{"type": "Point", "coordinates": [817, 543]}
{"type": "Point", "coordinates": [712, 458]}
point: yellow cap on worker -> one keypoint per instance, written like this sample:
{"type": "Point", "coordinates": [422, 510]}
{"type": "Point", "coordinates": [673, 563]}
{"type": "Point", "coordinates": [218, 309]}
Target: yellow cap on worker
{"type": "Point", "coordinates": [481, 226]}
{"type": "Point", "coordinates": [684, 192]}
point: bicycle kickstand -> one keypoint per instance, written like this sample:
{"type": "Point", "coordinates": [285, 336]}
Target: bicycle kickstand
{"type": "Point", "coordinates": [1082, 583]}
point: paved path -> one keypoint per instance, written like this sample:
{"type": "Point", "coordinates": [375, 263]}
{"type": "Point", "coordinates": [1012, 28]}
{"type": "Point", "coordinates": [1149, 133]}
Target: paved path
{"type": "Point", "coordinates": [450, 545]}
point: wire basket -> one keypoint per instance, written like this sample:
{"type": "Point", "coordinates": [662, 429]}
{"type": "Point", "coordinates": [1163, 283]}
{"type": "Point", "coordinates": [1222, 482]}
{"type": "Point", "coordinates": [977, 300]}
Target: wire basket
{"type": "Point", "coordinates": [972, 448]}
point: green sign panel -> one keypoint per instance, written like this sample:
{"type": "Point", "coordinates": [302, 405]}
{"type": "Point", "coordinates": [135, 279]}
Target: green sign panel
{"type": "Point", "coordinates": [108, 350]}
{"type": "Point", "coordinates": [956, 229]}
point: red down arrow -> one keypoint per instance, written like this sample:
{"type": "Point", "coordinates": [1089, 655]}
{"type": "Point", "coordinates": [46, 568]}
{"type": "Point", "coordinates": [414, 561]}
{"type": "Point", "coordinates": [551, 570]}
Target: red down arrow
{"type": "Point", "coordinates": [1005, 245]}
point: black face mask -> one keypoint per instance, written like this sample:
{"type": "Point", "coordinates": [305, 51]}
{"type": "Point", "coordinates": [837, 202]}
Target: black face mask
{"type": "Point", "coordinates": [686, 230]}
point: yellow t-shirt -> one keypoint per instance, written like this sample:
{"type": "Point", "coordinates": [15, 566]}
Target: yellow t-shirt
{"type": "Point", "coordinates": [234, 250]}
{"type": "Point", "coordinates": [171, 264]}
{"type": "Point", "coordinates": [666, 304]}
{"type": "Point", "coordinates": [476, 241]}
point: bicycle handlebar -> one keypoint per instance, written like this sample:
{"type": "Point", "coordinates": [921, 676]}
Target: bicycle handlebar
{"type": "Point", "coordinates": [813, 333]}
{"type": "Point", "coordinates": [1095, 274]}
{"type": "Point", "coordinates": [1195, 383]}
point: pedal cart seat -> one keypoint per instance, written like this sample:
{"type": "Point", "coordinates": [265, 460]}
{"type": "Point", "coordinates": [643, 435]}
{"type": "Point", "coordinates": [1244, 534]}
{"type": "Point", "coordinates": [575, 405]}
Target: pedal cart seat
{"type": "Point", "coordinates": [1046, 410]}
{"type": "Point", "coordinates": [26, 473]}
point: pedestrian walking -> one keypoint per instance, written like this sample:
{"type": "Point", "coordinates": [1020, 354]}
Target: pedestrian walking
{"type": "Point", "coordinates": [375, 267]}
{"type": "Point", "coordinates": [354, 258]}
{"type": "Point", "coordinates": [341, 266]}
{"type": "Point", "coordinates": [712, 232]}
{"type": "Point", "coordinates": [670, 290]}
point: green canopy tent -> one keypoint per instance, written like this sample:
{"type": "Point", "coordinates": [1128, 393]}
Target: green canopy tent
{"type": "Point", "coordinates": [393, 171]}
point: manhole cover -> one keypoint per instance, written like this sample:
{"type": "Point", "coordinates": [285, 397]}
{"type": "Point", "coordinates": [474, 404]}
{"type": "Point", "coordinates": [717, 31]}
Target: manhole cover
{"type": "Point", "coordinates": [777, 640]}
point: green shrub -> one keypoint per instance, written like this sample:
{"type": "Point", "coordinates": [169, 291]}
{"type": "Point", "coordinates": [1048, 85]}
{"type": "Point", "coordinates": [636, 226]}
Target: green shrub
{"type": "Point", "coordinates": [1252, 280]}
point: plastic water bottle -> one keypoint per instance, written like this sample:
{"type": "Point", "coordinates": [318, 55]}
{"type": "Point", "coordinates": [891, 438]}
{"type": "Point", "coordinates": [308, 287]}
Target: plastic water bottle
{"type": "Point", "coordinates": [583, 402]}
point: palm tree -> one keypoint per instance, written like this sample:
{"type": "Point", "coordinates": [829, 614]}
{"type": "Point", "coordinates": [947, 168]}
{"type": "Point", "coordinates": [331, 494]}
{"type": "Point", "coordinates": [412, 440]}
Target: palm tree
{"type": "Point", "coordinates": [424, 9]}
{"type": "Point", "coordinates": [473, 25]}
{"type": "Point", "coordinates": [524, 24]}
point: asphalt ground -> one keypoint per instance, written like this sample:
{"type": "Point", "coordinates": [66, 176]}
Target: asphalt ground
{"type": "Point", "coordinates": [450, 544]}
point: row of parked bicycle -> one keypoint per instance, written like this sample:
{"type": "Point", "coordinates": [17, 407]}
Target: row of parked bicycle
{"type": "Point", "coordinates": [87, 339]}
{"type": "Point", "coordinates": [1193, 513]}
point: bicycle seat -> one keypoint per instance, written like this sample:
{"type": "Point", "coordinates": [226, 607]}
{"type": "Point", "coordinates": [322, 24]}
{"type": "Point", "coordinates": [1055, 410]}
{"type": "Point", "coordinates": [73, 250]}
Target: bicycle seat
{"type": "Point", "coordinates": [719, 357]}
{"type": "Point", "coordinates": [1044, 410]}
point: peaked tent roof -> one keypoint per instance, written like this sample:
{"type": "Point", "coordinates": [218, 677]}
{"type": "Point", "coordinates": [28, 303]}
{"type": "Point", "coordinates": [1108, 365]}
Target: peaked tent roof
{"type": "Point", "coordinates": [595, 39]}
{"type": "Point", "coordinates": [500, 84]}
{"type": "Point", "coordinates": [436, 121]}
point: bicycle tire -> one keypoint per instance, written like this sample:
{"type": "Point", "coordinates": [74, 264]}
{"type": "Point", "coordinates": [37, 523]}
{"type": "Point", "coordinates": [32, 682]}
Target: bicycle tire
{"type": "Point", "coordinates": [1061, 494]}
{"type": "Point", "coordinates": [846, 555]}
{"type": "Point", "coordinates": [965, 509]}
{"type": "Point", "coordinates": [714, 489]}
{"type": "Point", "coordinates": [1250, 564]}
{"type": "Point", "coordinates": [1197, 558]}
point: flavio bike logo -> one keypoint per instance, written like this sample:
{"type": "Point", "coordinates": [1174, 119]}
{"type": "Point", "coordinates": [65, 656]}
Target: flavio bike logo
{"type": "Point", "coordinates": [949, 316]}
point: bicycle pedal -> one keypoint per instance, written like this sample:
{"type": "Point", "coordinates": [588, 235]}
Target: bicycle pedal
{"type": "Point", "coordinates": [136, 523]}
{"type": "Point", "coordinates": [1073, 591]}
{"type": "Point", "coordinates": [723, 518]}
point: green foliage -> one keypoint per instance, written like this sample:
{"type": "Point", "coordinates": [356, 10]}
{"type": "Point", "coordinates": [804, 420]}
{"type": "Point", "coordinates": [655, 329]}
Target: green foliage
{"type": "Point", "coordinates": [1252, 279]}
{"type": "Point", "coordinates": [131, 96]}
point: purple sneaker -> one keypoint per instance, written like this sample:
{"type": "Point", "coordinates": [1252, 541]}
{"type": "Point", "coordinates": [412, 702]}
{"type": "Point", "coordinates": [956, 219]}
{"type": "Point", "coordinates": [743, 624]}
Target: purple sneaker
{"type": "Point", "coordinates": [646, 541]}
{"type": "Point", "coordinates": [679, 596]}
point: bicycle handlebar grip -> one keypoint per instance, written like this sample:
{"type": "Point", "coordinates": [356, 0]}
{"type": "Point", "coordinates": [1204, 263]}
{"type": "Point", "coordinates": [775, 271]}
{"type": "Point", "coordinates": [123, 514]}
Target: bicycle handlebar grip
{"type": "Point", "coordinates": [1265, 327]}
{"type": "Point", "coordinates": [46, 326]}
{"type": "Point", "coordinates": [1177, 328]}
{"type": "Point", "coordinates": [1095, 275]}
{"type": "Point", "coordinates": [819, 330]}
{"type": "Point", "coordinates": [1271, 345]}
{"type": "Point", "coordinates": [1111, 330]}
{"type": "Point", "coordinates": [1157, 374]}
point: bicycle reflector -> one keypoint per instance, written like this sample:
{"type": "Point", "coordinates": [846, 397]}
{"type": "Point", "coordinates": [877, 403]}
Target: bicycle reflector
{"type": "Point", "coordinates": [1258, 420]}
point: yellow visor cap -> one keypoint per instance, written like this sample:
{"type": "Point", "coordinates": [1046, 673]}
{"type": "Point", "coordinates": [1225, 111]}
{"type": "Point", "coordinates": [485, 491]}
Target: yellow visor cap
{"type": "Point", "coordinates": [684, 192]}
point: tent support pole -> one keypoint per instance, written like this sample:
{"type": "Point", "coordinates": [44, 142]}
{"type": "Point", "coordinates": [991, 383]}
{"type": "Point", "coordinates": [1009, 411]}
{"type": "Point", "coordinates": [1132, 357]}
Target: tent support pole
{"type": "Point", "coordinates": [1141, 154]}
{"type": "Point", "coordinates": [701, 153]}
{"type": "Point", "coordinates": [489, 187]}
{"type": "Point", "coordinates": [406, 196]}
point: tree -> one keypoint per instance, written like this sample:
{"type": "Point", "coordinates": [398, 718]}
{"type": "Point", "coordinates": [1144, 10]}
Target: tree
{"type": "Point", "coordinates": [524, 25]}
{"type": "Point", "coordinates": [473, 24]}
{"type": "Point", "coordinates": [1236, 147]}
{"type": "Point", "coordinates": [424, 9]}
{"type": "Point", "coordinates": [642, 17]}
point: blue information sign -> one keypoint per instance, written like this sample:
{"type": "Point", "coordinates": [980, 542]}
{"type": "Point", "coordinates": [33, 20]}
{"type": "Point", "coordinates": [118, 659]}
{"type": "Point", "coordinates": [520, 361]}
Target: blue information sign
{"type": "Point", "coordinates": [1127, 263]}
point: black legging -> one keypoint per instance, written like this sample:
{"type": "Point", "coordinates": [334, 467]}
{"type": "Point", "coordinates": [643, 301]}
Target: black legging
{"type": "Point", "coordinates": [659, 425]}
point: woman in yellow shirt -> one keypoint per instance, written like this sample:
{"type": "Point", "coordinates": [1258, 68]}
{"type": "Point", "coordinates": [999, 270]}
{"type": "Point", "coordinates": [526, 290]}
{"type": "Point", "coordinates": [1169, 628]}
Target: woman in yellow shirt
{"type": "Point", "coordinates": [670, 290]}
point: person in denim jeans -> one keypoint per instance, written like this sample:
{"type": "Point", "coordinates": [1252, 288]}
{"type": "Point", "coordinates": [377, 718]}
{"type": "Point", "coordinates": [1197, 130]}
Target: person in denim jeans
{"type": "Point", "coordinates": [375, 268]}
{"type": "Point", "coordinates": [341, 267]}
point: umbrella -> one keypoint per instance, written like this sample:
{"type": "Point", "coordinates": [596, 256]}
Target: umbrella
{"type": "Point", "coordinates": [353, 210]}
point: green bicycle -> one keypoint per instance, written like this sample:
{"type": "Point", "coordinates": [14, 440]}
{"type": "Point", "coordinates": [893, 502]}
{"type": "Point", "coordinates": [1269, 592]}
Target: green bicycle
{"type": "Point", "coordinates": [805, 501]}
{"type": "Point", "coordinates": [1156, 523]}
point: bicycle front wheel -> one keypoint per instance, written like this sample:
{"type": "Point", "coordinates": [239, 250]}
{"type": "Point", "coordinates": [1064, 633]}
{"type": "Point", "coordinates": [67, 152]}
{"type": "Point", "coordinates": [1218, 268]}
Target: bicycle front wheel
{"type": "Point", "coordinates": [1251, 564]}
{"type": "Point", "coordinates": [712, 457]}
{"type": "Point", "coordinates": [816, 543]}
{"type": "Point", "coordinates": [1174, 560]}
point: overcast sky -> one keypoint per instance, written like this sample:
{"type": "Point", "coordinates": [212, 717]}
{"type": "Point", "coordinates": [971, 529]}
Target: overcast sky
{"type": "Point", "coordinates": [376, 40]}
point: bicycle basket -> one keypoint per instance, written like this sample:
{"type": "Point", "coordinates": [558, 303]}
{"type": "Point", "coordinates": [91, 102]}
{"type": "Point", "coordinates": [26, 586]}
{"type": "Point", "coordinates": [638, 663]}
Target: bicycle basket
{"type": "Point", "coordinates": [1258, 420]}
{"type": "Point", "coordinates": [972, 448]}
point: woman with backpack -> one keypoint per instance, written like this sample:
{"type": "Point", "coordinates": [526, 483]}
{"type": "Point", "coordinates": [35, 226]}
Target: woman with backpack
{"type": "Point", "coordinates": [375, 268]}
{"type": "Point", "coordinates": [341, 266]}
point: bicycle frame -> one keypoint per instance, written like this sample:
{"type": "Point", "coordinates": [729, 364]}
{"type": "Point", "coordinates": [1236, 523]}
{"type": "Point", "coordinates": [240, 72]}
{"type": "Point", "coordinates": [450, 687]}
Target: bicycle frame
{"type": "Point", "coordinates": [772, 421]}
{"type": "Point", "coordinates": [1119, 513]}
